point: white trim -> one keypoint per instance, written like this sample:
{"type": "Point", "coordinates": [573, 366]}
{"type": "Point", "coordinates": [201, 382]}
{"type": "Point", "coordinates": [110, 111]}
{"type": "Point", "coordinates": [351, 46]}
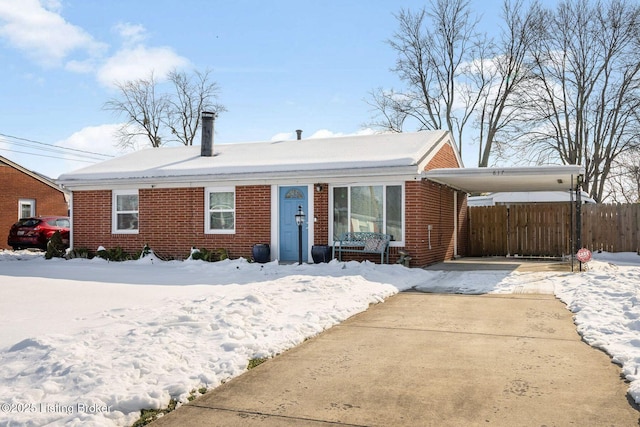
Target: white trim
{"type": "Point", "coordinates": [336, 176]}
{"type": "Point", "coordinates": [311, 223]}
{"type": "Point", "coordinates": [32, 209]}
{"type": "Point", "coordinates": [114, 212]}
{"type": "Point", "coordinates": [533, 178]}
{"type": "Point", "coordinates": [275, 222]}
{"type": "Point", "coordinates": [275, 218]}
{"type": "Point", "coordinates": [71, 220]}
{"type": "Point", "coordinates": [207, 192]}
{"type": "Point", "coordinates": [395, 243]}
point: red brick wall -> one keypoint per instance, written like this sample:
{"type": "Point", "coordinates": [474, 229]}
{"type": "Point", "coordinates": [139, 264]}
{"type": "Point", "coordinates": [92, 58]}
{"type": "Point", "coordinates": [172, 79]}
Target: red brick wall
{"type": "Point", "coordinates": [172, 222]}
{"type": "Point", "coordinates": [18, 185]}
{"type": "Point", "coordinates": [321, 207]}
{"type": "Point", "coordinates": [427, 204]}
{"type": "Point", "coordinates": [444, 158]}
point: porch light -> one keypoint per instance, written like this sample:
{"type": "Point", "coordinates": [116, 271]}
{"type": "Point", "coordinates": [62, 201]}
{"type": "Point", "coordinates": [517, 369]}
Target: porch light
{"type": "Point", "coordinates": [300, 217]}
{"type": "Point", "coordinates": [299, 221]}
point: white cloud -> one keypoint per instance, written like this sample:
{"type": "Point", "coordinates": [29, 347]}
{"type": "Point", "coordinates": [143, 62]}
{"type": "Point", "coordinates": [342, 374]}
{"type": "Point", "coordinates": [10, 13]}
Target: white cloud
{"type": "Point", "coordinates": [38, 29]}
{"type": "Point", "coordinates": [131, 34]}
{"type": "Point", "coordinates": [138, 62]}
{"type": "Point", "coordinates": [42, 34]}
{"type": "Point", "coordinates": [91, 139]}
{"type": "Point", "coordinates": [96, 139]}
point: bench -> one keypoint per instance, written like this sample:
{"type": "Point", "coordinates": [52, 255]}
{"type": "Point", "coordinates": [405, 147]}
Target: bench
{"type": "Point", "coordinates": [363, 242]}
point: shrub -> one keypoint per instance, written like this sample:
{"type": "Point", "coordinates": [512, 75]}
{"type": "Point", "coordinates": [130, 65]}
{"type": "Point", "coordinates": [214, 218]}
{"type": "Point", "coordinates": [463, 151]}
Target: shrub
{"type": "Point", "coordinates": [211, 256]}
{"type": "Point", "coordinates": [78, 253]}
{"type": "Point", "coordinates": [114, 254]}
{"type": "Point", "coordinates": [55, 247]}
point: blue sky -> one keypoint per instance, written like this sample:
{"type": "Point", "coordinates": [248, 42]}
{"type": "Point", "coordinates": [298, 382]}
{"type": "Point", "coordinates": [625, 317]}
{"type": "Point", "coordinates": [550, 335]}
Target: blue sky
{"type": "Point", "coordinates": [281, 65]}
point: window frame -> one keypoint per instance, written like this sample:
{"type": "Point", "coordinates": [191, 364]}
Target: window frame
{"type": "Point", "coordinates": [27, 202]}
{"type": "Point", "coordinates": [115, 212]}
{"type": "Point", "coordinates": [399, 240]}
{"type": "Point", "coordinates": [207, 210]}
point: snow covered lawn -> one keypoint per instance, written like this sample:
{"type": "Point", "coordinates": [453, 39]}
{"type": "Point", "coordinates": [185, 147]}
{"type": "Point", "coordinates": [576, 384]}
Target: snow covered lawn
{"type": "Point", "coordinates": [93, 342]}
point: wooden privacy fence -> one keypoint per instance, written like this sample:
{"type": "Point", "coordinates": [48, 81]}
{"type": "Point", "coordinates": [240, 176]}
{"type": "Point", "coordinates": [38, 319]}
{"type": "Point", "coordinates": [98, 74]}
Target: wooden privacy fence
{"type": "Point", "coordinates": [545, 229]}
{"type": "Point", "coordinates": [611, 228]}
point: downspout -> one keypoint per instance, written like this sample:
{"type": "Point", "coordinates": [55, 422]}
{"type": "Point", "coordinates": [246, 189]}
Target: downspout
{"type": "Point", "coordinates": [71, 221]}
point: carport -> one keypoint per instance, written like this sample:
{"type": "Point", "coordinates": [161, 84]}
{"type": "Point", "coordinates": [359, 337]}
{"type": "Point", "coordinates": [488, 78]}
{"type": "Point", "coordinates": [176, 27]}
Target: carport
{"type": "Point", "coordinates": [532, 178]}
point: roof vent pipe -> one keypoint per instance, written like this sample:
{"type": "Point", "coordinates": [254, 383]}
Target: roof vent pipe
{"type": "Point", "coordinates": [206, 146]}
{"type": "Point", "coordinates": [299, 132]}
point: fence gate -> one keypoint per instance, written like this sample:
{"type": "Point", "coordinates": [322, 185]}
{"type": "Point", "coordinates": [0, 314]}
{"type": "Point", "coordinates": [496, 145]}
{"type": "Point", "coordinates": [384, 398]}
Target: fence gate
{"type": "Point", "coordinates": [541, 229]}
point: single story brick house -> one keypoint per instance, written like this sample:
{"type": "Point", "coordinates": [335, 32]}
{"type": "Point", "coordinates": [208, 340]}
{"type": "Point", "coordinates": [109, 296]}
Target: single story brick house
{"type": "Point", "coordinates": [26, 193]}
{"type": "Point", "coordinates": [234, 196]}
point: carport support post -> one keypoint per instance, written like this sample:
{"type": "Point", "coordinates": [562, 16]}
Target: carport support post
{"type": "Point", "coordinates": [572, 228]}
{"type": "Point", "coordinates": [578, 216]}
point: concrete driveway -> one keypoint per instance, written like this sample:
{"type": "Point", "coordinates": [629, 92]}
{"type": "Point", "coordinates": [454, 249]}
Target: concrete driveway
{"type": "Point", "coordinates": [422, 359]}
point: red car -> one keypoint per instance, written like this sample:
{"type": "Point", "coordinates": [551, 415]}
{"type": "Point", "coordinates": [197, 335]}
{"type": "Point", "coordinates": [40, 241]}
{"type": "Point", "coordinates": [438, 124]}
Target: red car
{"type": "Point", "coordinates": [36, 232]}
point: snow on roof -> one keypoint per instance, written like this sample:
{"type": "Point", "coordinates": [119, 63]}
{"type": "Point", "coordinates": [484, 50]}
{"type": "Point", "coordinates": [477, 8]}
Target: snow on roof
{"type": "Point", "coordinates": [406, 151]}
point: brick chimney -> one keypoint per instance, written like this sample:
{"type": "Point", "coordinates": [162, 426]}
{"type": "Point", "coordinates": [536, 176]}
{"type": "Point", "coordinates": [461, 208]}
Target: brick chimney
{"type": "Point", "coordinates": [206, 146]}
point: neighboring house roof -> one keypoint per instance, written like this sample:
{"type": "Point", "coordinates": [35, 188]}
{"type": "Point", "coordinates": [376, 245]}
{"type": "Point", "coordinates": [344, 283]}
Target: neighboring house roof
{"type": "Point", "coordinates": [504, 198]}
{"type": "Point", "coordinates": [378, 155]}
{"type": "Point", "coordinates": [34, 175]}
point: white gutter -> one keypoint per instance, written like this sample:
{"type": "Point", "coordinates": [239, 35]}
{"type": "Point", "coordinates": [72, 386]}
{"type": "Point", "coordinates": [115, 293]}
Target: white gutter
{"type": "Point", "coordinates": [334, 176]}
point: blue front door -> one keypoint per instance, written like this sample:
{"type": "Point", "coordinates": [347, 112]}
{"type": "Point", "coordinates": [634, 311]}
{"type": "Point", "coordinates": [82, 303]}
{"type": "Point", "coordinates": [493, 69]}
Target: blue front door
{"type": "Point", "coordinates": [290, 199]}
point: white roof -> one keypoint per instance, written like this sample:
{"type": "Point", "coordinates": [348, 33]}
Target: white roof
{"type": "Point", "coordinates": [532, 178]}
{"type": "Point", "coordinates": [363, 155]}
{"type": "Point", "coordinates": [526, 197]}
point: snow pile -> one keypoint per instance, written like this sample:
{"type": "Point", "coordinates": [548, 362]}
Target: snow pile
{"type": "Point", "coordinates": [90, 341]}
{"type": "Point", "coordinates": [94, 342]}
{"type": "Point", "coordinates": [605, 301]}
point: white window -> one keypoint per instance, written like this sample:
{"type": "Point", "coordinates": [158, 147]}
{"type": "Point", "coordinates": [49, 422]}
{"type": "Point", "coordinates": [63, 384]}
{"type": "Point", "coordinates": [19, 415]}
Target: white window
{"type": "Point", "coordinates": [220, 210]}
{"type": "Point", "coordinates": [377, 208]}
{"type": "Point", "coordinates": [26, 208]}
{"type": "Point", "coordinates": [125, 212]}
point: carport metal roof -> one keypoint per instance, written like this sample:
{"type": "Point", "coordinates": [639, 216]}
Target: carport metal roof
{"type": "Point", "coordinates": [534, 178]}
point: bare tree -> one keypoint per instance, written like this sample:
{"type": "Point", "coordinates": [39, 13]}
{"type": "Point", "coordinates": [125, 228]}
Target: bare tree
{"type": "Point", "coordinates": [387, 107]}
{"type": "Point", "coordinates": [623, 185]}
{"type": "Point", "coordinates": [435, 48]}
{"type": "Point", "coordinates": [143, 108]}
{"type": "Point", "coordinates": [508, 74]}
{"type": "Point", "coordinates": [588, 73]}
{"type": "Point", "coordinates": [163, 117]}
{"type": "Point", "coordinates": [193, 94]}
